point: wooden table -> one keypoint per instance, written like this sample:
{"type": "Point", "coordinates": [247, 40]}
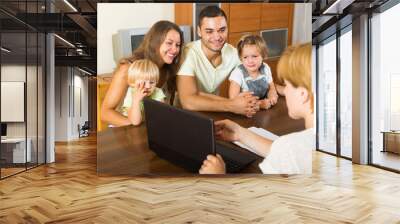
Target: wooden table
{"type": "Point", "coordinates": [391, 141]}
{"type": "Point", "coordinates": [124, 150]}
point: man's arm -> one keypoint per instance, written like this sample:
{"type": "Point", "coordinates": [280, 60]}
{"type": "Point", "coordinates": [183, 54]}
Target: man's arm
{"type": "Point", "coordinates": [192, 99]}
{"type": "Point", "coordinates": [211, 96]}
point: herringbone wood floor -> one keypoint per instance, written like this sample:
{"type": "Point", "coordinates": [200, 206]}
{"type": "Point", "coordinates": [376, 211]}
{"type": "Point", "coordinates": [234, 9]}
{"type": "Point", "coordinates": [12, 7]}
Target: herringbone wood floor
{"type": "Point", "coordinates": [69, 191]}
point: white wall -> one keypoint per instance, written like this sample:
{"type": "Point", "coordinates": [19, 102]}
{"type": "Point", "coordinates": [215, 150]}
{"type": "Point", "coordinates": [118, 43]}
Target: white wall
{"type": "Point", "coordinates": [61, 103]}
{"type": "Point", "coordinates": [112, 17]}
{"type": "Point", "coordinates": [82, 82]}
{"type": "Point", "coordinates": [68, 82]}
{"type": "Point", "coordinates": [79, 117]}
{"type": "Point", "coordinates": [16, 73]}
{"type": "Point", "coordinates": [302, 23]}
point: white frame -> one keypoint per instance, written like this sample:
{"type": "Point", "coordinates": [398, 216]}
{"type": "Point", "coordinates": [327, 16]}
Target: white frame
{"type": "Point", "coordinates": [12, 104]}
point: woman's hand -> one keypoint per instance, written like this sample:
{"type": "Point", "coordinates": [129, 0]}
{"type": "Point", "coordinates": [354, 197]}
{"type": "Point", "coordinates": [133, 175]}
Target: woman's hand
{"type": "Point", "coordinates": [213, 165]}
{"type": "Point", "coordinates": [227, 130]}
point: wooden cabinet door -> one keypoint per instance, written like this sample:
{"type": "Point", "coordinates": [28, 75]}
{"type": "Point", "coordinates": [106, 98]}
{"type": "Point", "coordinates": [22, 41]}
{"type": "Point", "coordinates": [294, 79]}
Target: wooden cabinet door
{"type": "Point", "coordinates": [235, 37]}
{"type": "Point", "coordinates": [274, 16]}
{"type": "Point", "coordinates": [184, 14]}
{"type": "Point", "coordinates": [244, 17]}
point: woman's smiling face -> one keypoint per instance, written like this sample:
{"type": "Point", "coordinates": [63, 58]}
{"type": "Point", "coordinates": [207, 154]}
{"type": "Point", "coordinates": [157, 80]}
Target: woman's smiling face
{"type": "Point", "coordinates": [170, 47]}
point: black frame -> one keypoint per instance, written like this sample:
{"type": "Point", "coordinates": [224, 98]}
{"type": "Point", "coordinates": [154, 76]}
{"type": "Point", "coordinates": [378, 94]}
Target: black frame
{"type": "Point", "coordinates": [328, 39]}
{"type": "Point", "coordinates": [43, 53]}
{"type": "Point", "coordinates": [386, 6]}
{"type": "Point", "coordinates": [333, 37]}
{"type": "Point", "coordinates": [340, 30]}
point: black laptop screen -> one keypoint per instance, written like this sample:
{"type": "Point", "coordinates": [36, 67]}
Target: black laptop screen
{"type": "Point", "coordinates": [184, 132]}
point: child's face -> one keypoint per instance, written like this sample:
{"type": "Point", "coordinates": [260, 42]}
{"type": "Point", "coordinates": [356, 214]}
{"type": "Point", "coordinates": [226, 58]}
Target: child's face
{"type": "Point", "coordinates": [251, 58]}
{"type": "Point", "coordinates": [148, 85]}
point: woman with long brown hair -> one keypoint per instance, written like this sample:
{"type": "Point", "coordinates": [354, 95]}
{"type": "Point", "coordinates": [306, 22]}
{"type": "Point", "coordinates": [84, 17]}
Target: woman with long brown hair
{"type": "Point", "coordinates": [161, 45]}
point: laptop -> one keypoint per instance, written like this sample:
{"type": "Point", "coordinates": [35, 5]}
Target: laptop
{"type": "Point", "coordinates": [185, 138]}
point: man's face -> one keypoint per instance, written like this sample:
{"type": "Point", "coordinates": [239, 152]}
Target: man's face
{"type": "Point", "coordinates": [213, 32]}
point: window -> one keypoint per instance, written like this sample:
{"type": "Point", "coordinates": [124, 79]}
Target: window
{"type": "Point", "coordinates": [346, 92]}
{"type": "Point", "coordinates": [22, 66]}
{"type": "Point", "coordinates": [327, 96]}
{"type": "Point", "coordinates": [385, 87]}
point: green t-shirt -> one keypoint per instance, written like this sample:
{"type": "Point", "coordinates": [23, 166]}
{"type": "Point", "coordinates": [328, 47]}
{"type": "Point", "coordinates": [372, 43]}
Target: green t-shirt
{"type": "Point", "coordinates": [158, 95]}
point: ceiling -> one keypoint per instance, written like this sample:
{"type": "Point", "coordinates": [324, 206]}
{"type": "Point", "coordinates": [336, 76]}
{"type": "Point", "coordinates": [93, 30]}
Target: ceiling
{"type": "Point", "coordinates": [77, 25]}
{"type": "Point", "coordinates": [76, 22]}
{"type": "Point", "coordinates": [332, 15]}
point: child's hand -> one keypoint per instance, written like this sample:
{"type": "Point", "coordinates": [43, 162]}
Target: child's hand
{"type": "Point", "coordinates": [265, 104]}
{"type": "Point", "coordinates": [273, 98]}
{"type": "Point", "coordinates": [213, 165]}
{"type": "Point", "coordinates": [140, 91]}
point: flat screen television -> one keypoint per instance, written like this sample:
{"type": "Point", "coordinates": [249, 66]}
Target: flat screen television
{"type": "Point", "coordinates": [127, 40]}
{"type": "Point", "coordinates": [276, 40]}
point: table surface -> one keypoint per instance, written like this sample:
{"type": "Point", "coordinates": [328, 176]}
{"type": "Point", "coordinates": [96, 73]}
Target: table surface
{"type": "Point", "coordinates": [13, 140]}
{"type": "Point", "coordinates": [125, 151]}
{"type": "Point", "coordinates": [391, 132]}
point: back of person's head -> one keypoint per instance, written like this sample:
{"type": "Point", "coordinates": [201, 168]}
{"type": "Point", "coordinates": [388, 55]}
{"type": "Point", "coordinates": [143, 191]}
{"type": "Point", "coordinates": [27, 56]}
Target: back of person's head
{"type": "Point", "coordinates": [142, 70]}
{"type": "Point", "coordinates": [251, 39]}
{"type": "Point", "coordinates": [294, 66]}
{"type": "Point", "coordinates": [211, 12]}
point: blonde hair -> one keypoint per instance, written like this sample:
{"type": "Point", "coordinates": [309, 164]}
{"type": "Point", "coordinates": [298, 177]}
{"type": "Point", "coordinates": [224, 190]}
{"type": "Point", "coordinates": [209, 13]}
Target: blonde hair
{"type": "Point", "coordinates": [142, 69]}
{"type": "Point", "coordinates": [251, 39]}
{"type": "Point", "coordinates": [294, 66]}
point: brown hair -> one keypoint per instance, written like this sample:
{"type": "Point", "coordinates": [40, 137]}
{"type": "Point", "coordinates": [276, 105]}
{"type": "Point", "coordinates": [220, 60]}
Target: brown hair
{"type": "Point", "coordinates": [294, 66]}
{"type": "Point", "coordinates": [150, 49]}
{"type": "Point", "coordinates": [250, 39]}
{"type": "Point", "coordinates": [211, 12]}
{"type": "Point", "coordinates": [142, 69]}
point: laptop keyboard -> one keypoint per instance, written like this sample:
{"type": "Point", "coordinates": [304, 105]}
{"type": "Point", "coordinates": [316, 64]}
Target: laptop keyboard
{"type": "Point", "coordinates": [234, 160]}
{"type": "Point", "coordinates": [232, 166]}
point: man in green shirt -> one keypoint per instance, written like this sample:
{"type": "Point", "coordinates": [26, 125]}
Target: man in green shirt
{"type": "Point", "coordinates": [208, 62]}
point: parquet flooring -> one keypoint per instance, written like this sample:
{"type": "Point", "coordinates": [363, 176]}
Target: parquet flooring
{"type": "Point", "coordinates": [69, 191]}
{"type": "Point", "coordinates": [10, 171]}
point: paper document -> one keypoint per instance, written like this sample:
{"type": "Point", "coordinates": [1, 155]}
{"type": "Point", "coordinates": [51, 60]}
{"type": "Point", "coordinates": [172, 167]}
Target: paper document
{"type": "Point", "coordinates": [260, 131]}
